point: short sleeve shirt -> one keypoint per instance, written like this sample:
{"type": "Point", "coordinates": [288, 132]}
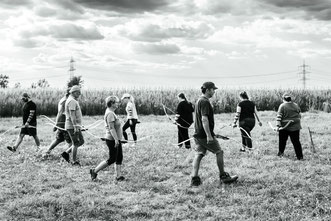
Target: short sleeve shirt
{"type": "Point", "coordinates": [185, 111]}
{"type": "Point", "coordinates": [27, 107]}
{"type": "Point", "coordinates": [131, 111]}
{"type": "Point", "coordinates": [72, 105]}
{"type": "Point", "coordinates": [203, 108]}
{"type": "Point", "coordinates": [247, 109]}
{"type": "Point", "coordinates": [111, 117]}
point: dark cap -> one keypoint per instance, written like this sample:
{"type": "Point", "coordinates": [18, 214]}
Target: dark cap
{"type": "Point", "coordinates": [209, 85]}
{"type": "Point", "coordinates": [25, 95]}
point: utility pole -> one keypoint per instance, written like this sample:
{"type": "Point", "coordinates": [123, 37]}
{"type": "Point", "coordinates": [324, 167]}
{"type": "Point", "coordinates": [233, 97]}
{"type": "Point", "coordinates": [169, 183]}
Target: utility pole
{"type": "Point", "coordinates": [72, 68]}
{"type": "Point", "coordinates": [304, 72]}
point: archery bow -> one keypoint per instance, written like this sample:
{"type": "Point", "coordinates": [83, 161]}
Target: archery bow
{"type": "Point", "coordinates": [173, 121]}
{"type": "Point", "coordinates": [280, 128]}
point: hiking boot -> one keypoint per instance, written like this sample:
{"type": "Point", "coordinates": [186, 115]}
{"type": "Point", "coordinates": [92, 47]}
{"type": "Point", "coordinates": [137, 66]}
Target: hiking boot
{"type": "Point", "coordinates": [76, 163]}
{"type": "Point", "coordinates": [12, 149]}
{"type": "Point", "coordinates": [120, 178]}
{"type": "Point", "coordinates": [66, 156]}
{"type": "Point", "coordinates": [93, 174]}
{"type": "Point", "coordinates": [226, 178]}
{"type": "Point", "coordinates": [196, 181]}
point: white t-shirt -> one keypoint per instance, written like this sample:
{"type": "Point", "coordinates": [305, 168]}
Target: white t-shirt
{"type": "Point", "coordinates": [72, 105]}
{"type": "Point", "coordinates": [111, 117]}
{"type": "Point", "coordinates": [131, 110]}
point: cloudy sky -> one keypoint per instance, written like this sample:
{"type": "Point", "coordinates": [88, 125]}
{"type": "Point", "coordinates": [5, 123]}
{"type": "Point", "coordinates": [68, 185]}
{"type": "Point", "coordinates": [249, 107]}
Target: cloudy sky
{"type": "Point", "coordinates": [241, 43]}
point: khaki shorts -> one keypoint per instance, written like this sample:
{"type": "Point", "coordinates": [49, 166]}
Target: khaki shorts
{"type": "Point", "coordinates": [202, 146]}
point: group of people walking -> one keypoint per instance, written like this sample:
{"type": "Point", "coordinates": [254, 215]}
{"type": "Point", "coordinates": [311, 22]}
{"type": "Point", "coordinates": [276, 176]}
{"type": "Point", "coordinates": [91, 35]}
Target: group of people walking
{"type": "Point", "coordinates": [68, 127]}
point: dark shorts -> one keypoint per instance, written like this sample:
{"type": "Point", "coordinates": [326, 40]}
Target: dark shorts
{"type": "Point", "coordinates": [62, 135]}
{"type": "Point", "coordinates": [29, 131]}
{"type": "Point", "coordinates": [76, 138]}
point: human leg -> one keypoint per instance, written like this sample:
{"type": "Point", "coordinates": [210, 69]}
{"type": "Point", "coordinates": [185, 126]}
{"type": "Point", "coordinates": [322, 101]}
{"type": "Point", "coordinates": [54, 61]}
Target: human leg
{"type": "Point", "coordinates": [77, 141]}
{"type": "Point", "coordinates": [17, 142]}
{"type": "Point", "coordinates": [36, 139]}
{"type": "Point", "coordinates": [283, 136]}
{"type": "Point", "coordinates": [133, 129]}
{"type": "Point", "coordinates": [295, 139]}
{"type": "Point", "coordinates": [53, 145]}
{"type": "Point", "coordinates": [180, 135]}
{"type": "Point", "coordinates": [125, 126]}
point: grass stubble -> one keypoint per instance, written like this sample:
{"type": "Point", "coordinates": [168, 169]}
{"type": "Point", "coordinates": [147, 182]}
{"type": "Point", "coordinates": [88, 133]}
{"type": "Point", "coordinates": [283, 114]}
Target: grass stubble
{"type": "Point", "coordinates": [158, 177]}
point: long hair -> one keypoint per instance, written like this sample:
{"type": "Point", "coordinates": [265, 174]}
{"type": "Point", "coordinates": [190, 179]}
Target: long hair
{"type": "Point", "coordinates": [182, 96]}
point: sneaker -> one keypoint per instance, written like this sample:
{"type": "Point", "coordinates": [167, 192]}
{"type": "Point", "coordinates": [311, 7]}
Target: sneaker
{"type": "Point", "coordinates": [196, 181]}
{"type": "Point", "coordinates": [12, 149]}
{"type": "Point", "coordinates": [76, 163]}
{"type": "Point", "coordinates": [242, 150]}
{"type": "Point", "coordinates": [120, 178]}
{"type": "Point", "coordinates": [93, 174]}
{"type": "Point", "coordinates": [66, 156]}
{"type": "Point", "coordinates": [226, 178]}
{"type": "Point", "coordinates": [280, 154]}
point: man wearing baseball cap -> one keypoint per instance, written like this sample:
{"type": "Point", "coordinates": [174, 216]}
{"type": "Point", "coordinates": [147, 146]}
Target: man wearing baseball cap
{"type": "Point", "coordinates": [204, 136]}
{"type": "Point", "coordinates": [73, 124]}
{"type": "Point", "coordinates": [29, 123]}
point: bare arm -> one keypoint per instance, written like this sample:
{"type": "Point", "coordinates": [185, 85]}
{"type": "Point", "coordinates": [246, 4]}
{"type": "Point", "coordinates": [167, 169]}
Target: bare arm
{"type": "Point", "coordinates": [257, 117]}
{"type": "Point", "coordinates": [27, 123]}
{"type": "Point", "coordinates": [205, 124]}
{"type": "Point", "coordinates": [236, 117]}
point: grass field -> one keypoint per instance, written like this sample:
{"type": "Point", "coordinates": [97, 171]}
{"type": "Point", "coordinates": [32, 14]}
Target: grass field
{"type": "Point", "coordinates": [158, 177]}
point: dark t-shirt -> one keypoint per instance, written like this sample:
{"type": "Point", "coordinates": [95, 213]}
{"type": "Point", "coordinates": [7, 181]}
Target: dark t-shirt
{"type": "Point", "coordinates": [26, 112]}
{"type": "Point", "coordinates": [185, 110]}
{"type": "Point", "coordinates": [247, 109]}
{"type": "Point", "coordinates": [203, 108]}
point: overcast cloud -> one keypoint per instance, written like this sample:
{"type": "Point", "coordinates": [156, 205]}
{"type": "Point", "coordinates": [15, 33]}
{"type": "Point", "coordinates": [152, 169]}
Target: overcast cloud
{"type": "Point", "coordinates": [197, 39]}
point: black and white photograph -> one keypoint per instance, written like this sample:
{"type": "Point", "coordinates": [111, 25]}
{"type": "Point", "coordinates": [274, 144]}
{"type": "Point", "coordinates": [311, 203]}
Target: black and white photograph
{"type": "Point", "coordinates": [165, 110]}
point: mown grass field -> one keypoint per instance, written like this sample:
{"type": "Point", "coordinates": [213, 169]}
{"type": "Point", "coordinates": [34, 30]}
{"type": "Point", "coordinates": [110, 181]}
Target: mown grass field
{"type": "Point", "coordinates": [158, 177]}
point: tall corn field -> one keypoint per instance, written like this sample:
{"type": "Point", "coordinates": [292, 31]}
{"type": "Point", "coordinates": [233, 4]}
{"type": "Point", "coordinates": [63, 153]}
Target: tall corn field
{"type": "Point", "coordinates": [149, 101]}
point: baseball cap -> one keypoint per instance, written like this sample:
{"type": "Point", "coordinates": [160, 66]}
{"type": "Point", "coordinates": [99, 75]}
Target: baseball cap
{"type": "Point", "coordinates": [25, 95]}
{"type": "Point", "coordinates": [209, 85]}
{"type": "Point", "coordinates": [287, 95]}
{"type": "Point", "coordinates": [74, 88]}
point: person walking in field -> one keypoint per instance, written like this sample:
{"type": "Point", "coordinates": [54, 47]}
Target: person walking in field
{"type": "Point", "coordinates": [246, 114]}
{"type": "Point", "coordinates": [113, 140]}
{"type": "Point", "coordinates": [61, 133]}
{"type": "Point", "coordinates": [184, 119]}
{"type": "Point", "coordinates": [73, 124]}
{"type": "Point", "coordinates": [204, 136]}
{"type": "Point", "coordinates": [289, 111]}
{"type": "Point", "coordinates": [29, 123]}
{"type": "Point", "coordinates": [132, 117]}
